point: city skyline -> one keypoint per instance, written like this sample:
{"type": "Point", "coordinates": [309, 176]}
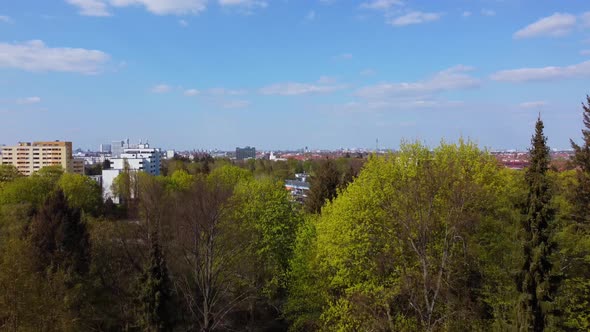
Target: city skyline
{"type": "Point", "coordinates": [281, 75]}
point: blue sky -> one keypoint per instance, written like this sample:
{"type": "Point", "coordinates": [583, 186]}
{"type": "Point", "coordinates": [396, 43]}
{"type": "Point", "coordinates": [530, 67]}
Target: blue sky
{"type": "Point", "coordinates": [288, 74]}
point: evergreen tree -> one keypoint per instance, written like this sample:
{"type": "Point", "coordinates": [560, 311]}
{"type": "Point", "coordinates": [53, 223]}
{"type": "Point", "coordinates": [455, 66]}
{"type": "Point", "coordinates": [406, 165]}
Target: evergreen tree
{"type": "Point", "coordinates": [156, 292]}
{"type": "Point", "coordinates": [536, 282]}
{"type": "Point", "coordinates": [581, 159]}
{"type": "Point", "coordinates": [324, 186]}
{"type": "Point", "coordinates": [59, 237]}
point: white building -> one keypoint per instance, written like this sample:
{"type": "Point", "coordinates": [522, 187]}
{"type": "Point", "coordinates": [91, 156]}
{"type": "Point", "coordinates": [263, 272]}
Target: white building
{"type": "Point", "coordinates": [139, 159]}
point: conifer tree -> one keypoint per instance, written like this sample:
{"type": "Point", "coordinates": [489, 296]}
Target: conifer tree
{"type": "Point", "coordinates": [59, 238]}
{"type": "Point", "coordinates": [536, 283]}
{"type": "Point", "coordinates": [581, 159]}
{"type": "Point", "coordinates": [324, 186]}
{"type": "Point", "coordinates": [156, 292]}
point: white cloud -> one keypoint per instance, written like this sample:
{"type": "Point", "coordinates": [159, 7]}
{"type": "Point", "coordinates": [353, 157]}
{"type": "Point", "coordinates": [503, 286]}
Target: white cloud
{"type": "Point", "coordinates": [164, 7]}
{"type": "Point", "coordinates": [585, 52]}
{"type": "Point", "coordinates": [161, 88]}
{"type": "Point", "coordinates": [294, 89]}
{"type": "Point", "coordinates": [343, 56]}
{"type": "Point", "coordinates": [488, 12]}
{"type": "Point", "coordinates": [586, 20]}
{"type": "Point", "coordinates": [225, 92]}
{"type": "Point", "coordinates": [543, 74]}
{"type": "Point", "coordinates": [396, 105]}
{"type": "Point", "coordinates": [367, 72]}
{"type": "Point", "coordinates": [28, 100]}
{"type": "Point", "coordinates": [555, 25]}
{"type": "Point", "coordinates": [454, 78]}
{"type": "Point", "coordinates": [415, 17]}
{"type": "Point", "coordinates": [6, 19]}
{"type": "Point", "coordinates": [310, 15]}
{"type": "Point", "coordinates": [244, 3]}
{"type": "Point", "coordinates": [191, 92]}
{"type": "Point", "coordinates": [235, 104]}
{"type": "Point", "coordinates": [381, 4]}
{"type": "Point", "coordinates": [466, 14]}
{"type": "Point", "coordinates": [35, 56]}
{"type": "Point", "coordinates": [90, 7]}
{"type": "Point", "coordinates": [533, 104]}
{"type": "Point", "coordinates": [183, 23]}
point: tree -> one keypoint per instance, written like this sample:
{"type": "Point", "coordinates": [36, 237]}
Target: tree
{"type": "Point", "coordinates": [82, 192]}
{"type": "Point", "coordinates": [8, 173]}
{"type": "Point", "coordinates": [581, 159]}
{"type": "Point", "coordinates": [399, 248]}
{"type": "Point", "coordinates": [536, 282]}
{"type": "Point", "coordinates": [106, 164]}
{"type": "Point", "coordinates": [324, 186]}
{"type": "Point", "coordinates": [156, 292]}
{"type": "Point", "coordinates": [59, 238]}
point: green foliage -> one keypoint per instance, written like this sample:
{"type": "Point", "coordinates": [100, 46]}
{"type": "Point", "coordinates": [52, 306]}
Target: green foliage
{"type": "Point", "coordinates": [82, 192]}
{"type": "Point", "coordinates": [394, 250]}
{"type": "Point", "coordinates": [156, 293]}
{"type": "Point", "coordinates": [59, 238]}
{"type": "Point", "coordinates": [324, 186]}
{"type": "Point", "coordinates": [536, 282]}
{"type": "Point", "coordinates": [8, 173]}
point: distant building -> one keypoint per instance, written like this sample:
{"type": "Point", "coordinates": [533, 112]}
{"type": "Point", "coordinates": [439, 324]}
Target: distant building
{"type": "Point", "coordinates": [298, 188]}
{"type": "Point", "coordinates": [117, 148]}
{"type": "Point", "coordinates": [141, 158]}
{"type": "Point", "coordinates": [28, 157]}
{"type": "Point", "coordinates": [245, 153]}
{"type": "Point", "coordinates": [105, 148]}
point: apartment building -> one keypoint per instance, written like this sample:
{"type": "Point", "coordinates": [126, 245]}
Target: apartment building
{"type": "Point", "coordinates": [29, 157]}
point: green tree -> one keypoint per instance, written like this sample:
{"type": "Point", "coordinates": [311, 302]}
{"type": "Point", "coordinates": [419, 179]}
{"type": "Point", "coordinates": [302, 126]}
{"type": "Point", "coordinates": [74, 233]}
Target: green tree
{"type": "Point", "coordinates": [536, 282]}
{"type": "Point", "coordinates": [82, 192]}
{"type": "Point", "coordinates": [8, 173]}
{"type": "Point", "coordinates": [574, 237]}
{"type": "Point", "coordinates": [156, 292]}
{"type": "Point", "coordinates": [59, 238]}
{"type": "Point", "coordinates": [324, 185]}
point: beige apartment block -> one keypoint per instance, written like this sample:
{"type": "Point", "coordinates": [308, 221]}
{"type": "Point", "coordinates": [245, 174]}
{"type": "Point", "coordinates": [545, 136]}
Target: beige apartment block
{"type": "Point", "coordinates": [28, 157]}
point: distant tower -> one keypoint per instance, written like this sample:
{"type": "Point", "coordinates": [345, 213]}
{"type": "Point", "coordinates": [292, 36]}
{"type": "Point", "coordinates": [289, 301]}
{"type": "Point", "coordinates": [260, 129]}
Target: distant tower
{"type": "Point", "coordinates": [376, 145]}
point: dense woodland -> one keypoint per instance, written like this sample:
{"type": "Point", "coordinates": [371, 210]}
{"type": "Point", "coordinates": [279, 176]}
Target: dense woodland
{"type": "Point", "coordinates": [423, 239]}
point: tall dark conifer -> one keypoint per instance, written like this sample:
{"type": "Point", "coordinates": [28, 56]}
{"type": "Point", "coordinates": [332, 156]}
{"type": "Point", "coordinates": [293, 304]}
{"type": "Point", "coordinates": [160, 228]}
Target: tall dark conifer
{"type": "Point", "coordinates": [59, 238]}
{"type": "Point", "coordinates": [581, 159]}
{"type": "Point", "coordinates": [324, 185]}
{"type": "Point", "coordinates": [535, 282]}
{"type": "Point", "coordinates": [156, 293]}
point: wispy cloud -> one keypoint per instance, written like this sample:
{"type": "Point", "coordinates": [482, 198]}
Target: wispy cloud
{"type": "Point", "coordinates": [310, 16]}
{"type": "Point", "coordinates": [90, 7]}
{"type": "Point", "coordinates": [295, 88]}
{"type": "Point", "coordinates": [415, 17]}
{"type": "Point", "coordinates": [166, 7]}
{"type": "Point", "coordinates": [488, 12]}
{"type": "Point", "coordinates": [6, 19]}
{"type": "Point", "coordinates": [161, 88]}
{"type": "Point", "coordinates": [235, 104]}
{"type": "Point", "coordinates": [244, 6]}
{"type": "Point", "coordinates": [183, 23]}
{"type": "Point", "coordinates": [466, 14]}
{"type": "Point", "coordinates": [585, 52]}
{"type": "Point", "coordinates": [367, 72]}
{"type": "Point", "coordinates": [543, 74]}
{"type": "Point", "coordinates": [191, 92]}
{"type": "Point", "coordinates": [556, 25]}
{"type": "Point", "coordinates": [35, 56]}
{"type": "Point", "coordinates": [28, 100]}
{"type": "Point", "coordinates": [454, 78]}
{"type": "Point", "coordinates": [343, 56]}
{"type": "Point", "coordinates": [532, 104]}
{"type": "Point", "coordinates": [381, 4]}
